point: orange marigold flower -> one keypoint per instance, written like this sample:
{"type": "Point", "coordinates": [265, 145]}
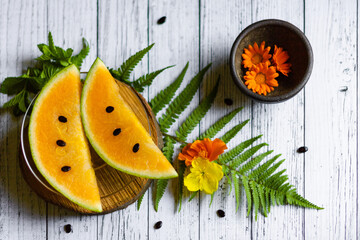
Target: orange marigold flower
{"type": "Point", "coordinates": [262, 79]}
{"type": "Point", "coordinates": [202, 148]}
{"type": "Point", "coordinates": [279, 58]}
{"type": "Point", "coordinates": [255, 55]}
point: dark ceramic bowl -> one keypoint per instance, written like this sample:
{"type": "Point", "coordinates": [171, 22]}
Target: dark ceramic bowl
{"type": "Point", "coordinates": [284, 35]}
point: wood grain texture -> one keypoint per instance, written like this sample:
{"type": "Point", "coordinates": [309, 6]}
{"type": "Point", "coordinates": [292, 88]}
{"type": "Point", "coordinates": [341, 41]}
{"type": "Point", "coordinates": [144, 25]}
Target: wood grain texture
{"type": "Point", "coordinates": [330, 120]}
{"type": "Point", "coordinates": [323, 117]}
{"type": "Point", "coordinates": [176, 42]}
{"type": "Point", "coordinates": [283, 128]}
{"type": "Point", "coordinates": [22, 213]}
{"type": "Point", "coordinates": [221, 22]}
{"type": "Point", "coordinates": [123, 30]}
{"type": "Point", "coordinates": [69, 21]}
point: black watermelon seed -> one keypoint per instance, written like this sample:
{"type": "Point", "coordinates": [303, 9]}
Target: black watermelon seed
{"type": "Point", "coordinates": [228, 101]}
{"type": "Point", "coordinates": [136, 148]}
{"type": "Point", "coordinates": [62, 119]}
{"type": "Point", "coordinates": [68, 228]}
{"type": "Point", "coordinates": [109, 109]}
{"type": "Point", "coordinates": [220, 213]}
{"type": "Point", "coordinates": [302, 149]}
{"type": "Point", "coordinates": [65, 168]}
{"type": "Point", "coordinates": [158, 225]}
{"type": "Point", "coordinates": [61, 143]}
{"type": "Point", "coordinates": [117, 131]}
{"type": "Point", "coordinates": [161, 20]}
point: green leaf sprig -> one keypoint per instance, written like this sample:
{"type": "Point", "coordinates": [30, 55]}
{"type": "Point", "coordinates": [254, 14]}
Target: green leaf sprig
{"type": "Point", "coordinates": [52, 60]}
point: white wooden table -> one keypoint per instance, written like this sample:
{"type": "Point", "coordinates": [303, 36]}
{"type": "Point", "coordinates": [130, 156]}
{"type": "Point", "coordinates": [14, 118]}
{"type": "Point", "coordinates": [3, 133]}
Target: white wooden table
{"type": "Point", "coordinates": [323, 117]}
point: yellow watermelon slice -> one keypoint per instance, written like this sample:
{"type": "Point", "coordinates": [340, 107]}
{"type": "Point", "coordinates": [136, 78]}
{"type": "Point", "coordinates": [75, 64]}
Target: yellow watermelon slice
{"type": "Point", "coordinates": [58, 143]}
{"type": "Point", "coordinates": [115, 132]}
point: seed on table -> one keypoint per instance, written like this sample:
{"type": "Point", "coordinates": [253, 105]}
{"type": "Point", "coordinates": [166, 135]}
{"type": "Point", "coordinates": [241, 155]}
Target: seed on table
{"type": "Point", "coordinates": [61, 143]}
{"type": "Point", "coordinates": [158, 225]}
{"type": "Point", "coordinates": [68, 228]}
{"type": "Point", "coordinates": [220, 213]}
{"type": "Point", "coordinates": [228, 101]}
{"type": "Point", "coordinates": [302, 149]}
{"type": "Point", "coordinates": [161, 20]}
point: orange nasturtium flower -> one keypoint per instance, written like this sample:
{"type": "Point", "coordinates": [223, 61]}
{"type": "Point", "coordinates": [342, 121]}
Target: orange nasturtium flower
{"type": "Point", "coordinates": [261, 79]}
{"type": "Point", "coordinates": [206, 148]}
{"type": "Point", "coordinates": [279, 60]}
{"type": "Point", "coordinates": [204, 176]}
{"type": "Point", "coordinates": [255, 55]}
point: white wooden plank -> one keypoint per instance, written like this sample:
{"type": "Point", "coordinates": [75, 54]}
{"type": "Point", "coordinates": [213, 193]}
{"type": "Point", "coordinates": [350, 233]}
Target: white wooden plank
{"type": "Point", "coordinates": [22, 213]}
{"type": "Point", "coordinates": [122, 32]}
{"type": "Point", "coordinates": [221, 22]}
{"type": "Point", "coordinates": [283, 128]}
{"type": "Point", "coordinates": [70, 21]}
{"type": "Point", "coordinates": [330, 120]}
{"type": "Point", "coordinates": [176, 42]}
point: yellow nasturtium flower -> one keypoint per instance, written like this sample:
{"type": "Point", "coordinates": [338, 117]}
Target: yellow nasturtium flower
{"type": "Point", "coordinates": [204, 176]}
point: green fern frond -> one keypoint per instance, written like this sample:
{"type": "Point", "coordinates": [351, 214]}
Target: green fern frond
{"type": "Point", "coordinates": [161, 185]}
{"type": "Point", "coordinates": [235, 163]}
{"type": "Point", "coordinates": [181, 171]}
{"type": "Point", "coordinates": [236, 182]}
{"type": "Point", "coordinates": [147, 79]}
{"type": "Point", "coordinates": [179, 104]}
{"type": "Point", "coordinates": [229, 155]}
{"type": "Point", "coordinates": [123, 73]}
{"type": "Point", "coordinates": [252, 163]}
{"type": "Point", "coordinates": [193, 120]}
{"type": "Point", "coordinates": [219, 125]}
{"type": "Point", "coordinates": [139, 201]}
{"type": "Point", "coordinates": [164, 96]}
{"type": "Point", "coordinates": [232, 132]}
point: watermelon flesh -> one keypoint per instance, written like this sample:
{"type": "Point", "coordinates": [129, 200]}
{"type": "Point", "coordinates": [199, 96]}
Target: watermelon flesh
{"type": "Point", "coordinates": [114, 130]}
{"type": "Point", "coordinates": [58, 143]}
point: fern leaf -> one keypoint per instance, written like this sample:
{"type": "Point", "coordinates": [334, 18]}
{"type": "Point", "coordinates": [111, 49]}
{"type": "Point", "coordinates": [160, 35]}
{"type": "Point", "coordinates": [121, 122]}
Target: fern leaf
{"type": "Point", "coordinates": [235, 163]}
{"type": "Point", "coordinates": [269, 171]}
{"type": "Point", "coordinates": [245, 182]}
{"type": "Point", "coordinates": [139, 201]}
{"type": "Point", "coordinates": [253, 162]}
{"type": "Point", "coordinates": [193, 195]}
{"type": "Point", "coordinates": [161, 185]}
{"type": "Point", "coordinates": [179, 104]}
{"type": "Point", "coordinates": [219, 125]}
{"type": "Point", "coordinates": [262, 168]}
{"type": "Point", "coordinates": [255, 195]}
{"type": "Point", "coordinates": [193, 120]}
{"type": "Point", "coordinates": [236, 189]}
{"type": "Point", "coordinates": [165, 96]}
{"type": "Point", "coordinates": [181, 171]}
{"type": "Point", "coordinates": [261, 191]}
{"type": "Point", "coordinates": [123, 73]}
{"type": "Point", "coordinates": [232, 133]}
{"type": "Point", "coordinates": [147, 79]}
{"type": "Point", "coordinates": [229, 155]}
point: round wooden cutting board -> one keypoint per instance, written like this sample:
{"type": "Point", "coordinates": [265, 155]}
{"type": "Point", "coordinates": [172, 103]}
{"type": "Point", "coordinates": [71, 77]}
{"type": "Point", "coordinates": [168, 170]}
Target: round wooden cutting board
{"type": "Point", "coordinates": [117, 189]}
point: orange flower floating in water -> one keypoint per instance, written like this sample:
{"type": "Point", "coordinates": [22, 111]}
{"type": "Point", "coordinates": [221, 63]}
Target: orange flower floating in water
{"type": "Point", "coordinates": [206, 149]}
{"type": "Point", "coordinates": [255, 55]}
{"type": "Point", "coordinates": [279, 58]}
{"type": "Point", "coordinates": [262, 79]}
